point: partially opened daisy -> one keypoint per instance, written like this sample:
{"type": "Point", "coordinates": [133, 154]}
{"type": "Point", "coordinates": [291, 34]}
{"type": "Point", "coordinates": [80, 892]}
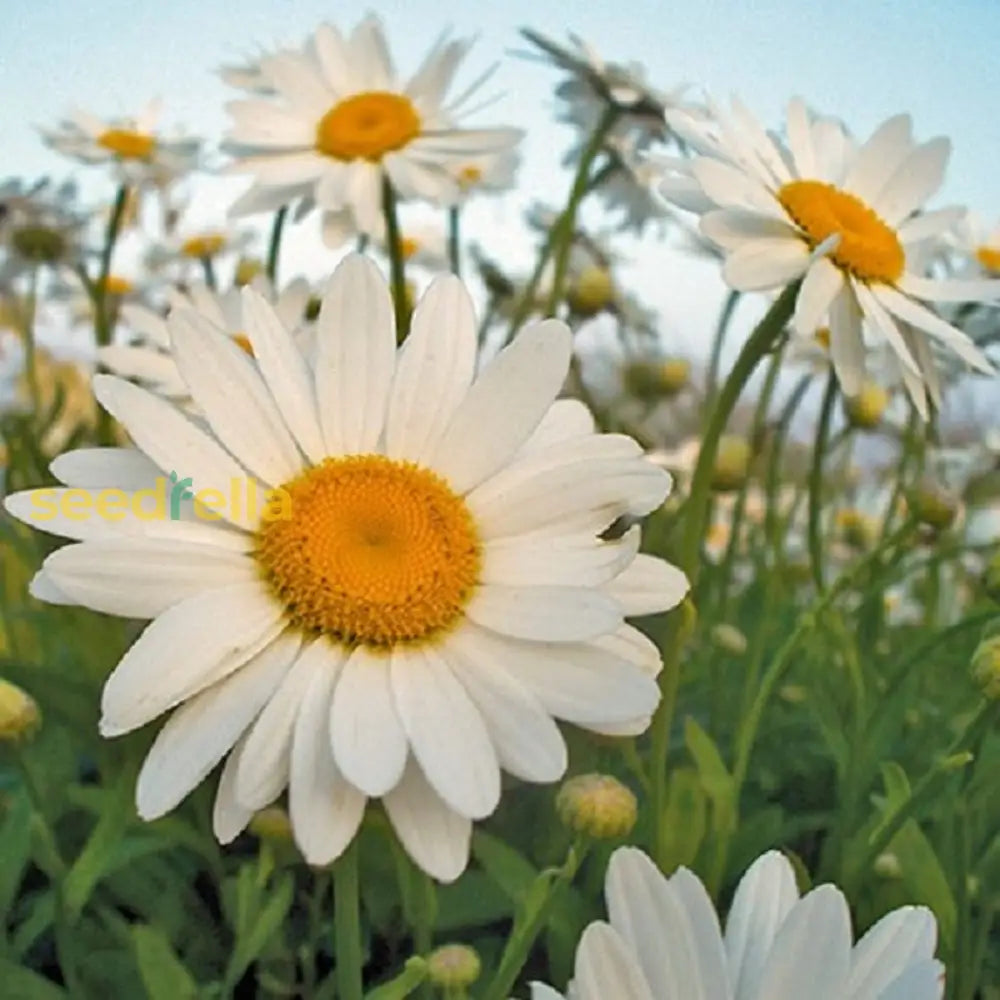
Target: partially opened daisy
{"type": "Point", "coordinates": [405, 581]}
{"type": "Point", "coordinates": [847, 219]}
{"type": "Point", "coordinates": [133, 147]}
{"type": "Point", "coordinates": [146, 356]}
{"type": "Point", "coordinates": [664, 942]}
{"type": "Point", "coordinates": [341, 121]}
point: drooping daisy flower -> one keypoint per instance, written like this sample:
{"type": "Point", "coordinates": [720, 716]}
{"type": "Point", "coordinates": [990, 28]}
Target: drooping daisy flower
{"type": "Point", "coordinates": [663, 942]}
{"type": "Point", "coordinates": [133, 147]}
{"type": "Point", "coordinates": [423, 591]}
{"type": "Point", "coordinates": [148, 358]}
{"type": "Point", "coordinates": [847, 219]}
{"type": "Point", "coordinates": [341, 121]}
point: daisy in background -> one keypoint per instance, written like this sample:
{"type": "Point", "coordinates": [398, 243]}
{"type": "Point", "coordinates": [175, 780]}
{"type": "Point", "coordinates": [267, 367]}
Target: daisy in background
{"type": "Point", "coordinates": [189, 249]}
{"type": "Point", "coordinates": [134, 149]}
{"type": "Point", "coordinates": [341, 122]}
{"type": "Point", "coordinates": [663, 942]}
{"type": "Point", "coordinates": [979, 245]}
{"type": "Point", "coordinates": [146, 355]}
{"type": "Point", "coordinates": [416, 589]}
{"type": "Point", "coordinates": [847, 219]}
{"type": "Point", "coordinates": [484, 173]}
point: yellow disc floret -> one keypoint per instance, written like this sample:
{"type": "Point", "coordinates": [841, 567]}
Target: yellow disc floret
{"type": "Point", "coordinates": [367, 126]}
{"type": "Point", "coordinates": [206, 245]}
{"type": "Point", "coordinates": [868, 249]}
{"type": "Point", "coordinates": [126, 144]}
{"type": "Point", "coordinates": [373, 552]}
{"type": "Point", "coordinates": [989, 258]}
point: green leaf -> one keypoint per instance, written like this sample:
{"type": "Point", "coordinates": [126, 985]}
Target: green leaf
{"type": "Point", "coordinates": [257, 923]}
{"type": "Point", "coordinates": [715, 777]}
{"type": "Point", "coordinates": [163, 974]}
{"type": "Point", "coordinates": [15, 835]}
{"type": "Point", "coordinates": [925, 878]}
{"type": "Point", "coordinates": [511, 871]}
{"type": "Point", "coordinates": [686, 818]}
{"type": "Point", "coordinates": [19, 983]}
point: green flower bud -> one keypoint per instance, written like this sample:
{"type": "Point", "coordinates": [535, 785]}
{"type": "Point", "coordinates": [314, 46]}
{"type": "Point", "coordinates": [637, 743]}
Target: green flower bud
{"type": "Point", "coordinates": [597, 805]}
{"type": "Point", "coordinates": [729, 639]}
{"type": "Point", "coordinates": [591, 292]}
{"type": "Point", "coordinates": [20, 716]}
{"type": "Point", "coordinates": [453, 966]}
{"type": "Point", "coordinates": [39, 243]}
{"type": "Point", "coordinates": [986, 667]}
{"type": "Point", "coordinates": [933, 505]}
{"type": "Point", "coordinates": [866, 409]}
{"type": "Point", "coordinates": [732, 463]}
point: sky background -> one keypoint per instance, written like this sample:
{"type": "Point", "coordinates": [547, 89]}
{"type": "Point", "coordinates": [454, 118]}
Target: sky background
{"type": "Point", "coordinates": [862, 60]}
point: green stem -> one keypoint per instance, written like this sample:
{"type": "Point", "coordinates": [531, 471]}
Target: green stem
{"type": "Point", "coordinates": [747, 733]}
{"type": "Point", "coordinates": [567, 221]}
{"type": "Point", "coordinates": [208, 271]}
{"type": "Point", "coordinates": [30, 352]}
{"type": "Point", "coordinates": [816, 480]}
{"type": "Point", "coordinates": [531, 920]}
{"type": "Point", "coordinates": [712, 381]}
{"type": "Point", "coordinates": [347, 925]}
{"type": "Point", "coordinates": [454, 241]}
{"type": "Point", "coordinates": [274, 245]}
{"type": "Point", "coordinates": [103, 315]}
{"type": "Point", "coordinates": [397, 267]}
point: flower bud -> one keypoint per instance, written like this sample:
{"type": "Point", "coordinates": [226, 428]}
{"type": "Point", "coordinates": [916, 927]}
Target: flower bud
{"type": "Point", "coordinates": [887, 866]}
{"type": "Point", "coordinates": [597, 805]}
{"type": "Point", "coordinates": [933, 505]}
{"type": "Point", "coordinates": [19, 714]}
{"type": "Point", "coordinates": [857, 529]}
{"type": "Point", "coordinates": [986, 667]}
{"type": "Point", "coordinates": [592, 291]}
{"type": "Point", "coordinates": [674, 375]}
{"type": "Point", "coordinates": [866, 409]}
{"type": "Point", "coordinates": [453, 967]}
{"type": "Point", "coordinates": [732, 463]}
{"type": "Point", "coordinates": [272, 824]}
{"type": "Point", "coordinates": [39, 243]}
{"type": "Point", "coordinates": [729, 639]}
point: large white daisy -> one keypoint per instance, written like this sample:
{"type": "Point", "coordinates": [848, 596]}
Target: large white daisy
{"type": "Point", "coordinates": [849, 220]}
{"type": "Point", "coordinates": [340, 120]}
{"type": "Point", "coordinates": [133, 147]}
{"type": "Point", "coordinates": [664, 942]}
{"type": "Point", "coordinates": [432, 593]}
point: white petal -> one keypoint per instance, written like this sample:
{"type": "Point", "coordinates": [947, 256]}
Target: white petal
{"type": "Point", "coordinates": [763, 898]}
{"type": "Point", "coordinates": [821, 285]}
{"type": "Point", "coordinates": [434, 370]}
{"type": "Point", "coordinates": [41, 588]}
{"type": "Point", "coordinates": [923, 981]}
{"type": "Point", "coordinates": [174, 443]}
{"type": "Point", "coordinates": [266, 757]}
{"type": "Point", "coordinates": [503, 406]}
{"type": "Point", "coordinates": [141, 578]}
{"type": "Point", "coordinates": [368, 741]}
{"type": "Point", "coordinates": [605, 968]}
{"type": "Point", "coordinates": [229, 391]}
{"type": "Point", "coordinates": [325, 809]}
{"type": "Point", "coordinates": [564, 419]}
{"type": "Point", "coordinates": [229, 818]}
{"type": "Point", "coordinates": [528, 743]}
{"type": "Point", "coordinates": [446, 732]}
{"type": "Point", "coordinates": [649, 585]}
{"type": "Point", "coordinates": [547, 614]}
{"type": "Point", "coordinates": [285, 372]}
{"type": "Point", "coordinates": [950, 289]}
{"type": "Point", "coordinates": [800, 138]}
{"type": "Point", "coordinates": [847, 348]}
{"type": "Point", "coordinates": [355, 357]}
{"type": "Point", "coordinates": [913, 182]}
{"type": "Point", "coordinates": [578, 682]}
{"type": "Point", "coordinates": [902, 938]}
{"type": "Point", "coordinates": [878, 157]}
{"type": "Point", "coordinates": [102, 468]}
{"type": "Point", "coordinates": [202, 731]}
{"type": "Point", "coordinates": [766, 263]}
{"type": "Point", "coordinates": [434, 836]}
{"type": "Point", "coordinates": [811, 954]}
{"type": "Point", "coordinates": [731, 187]}
{"type": "Point", "coordinates": [731, 228]}
{"type": "Point", "coordinates": [185, 650]}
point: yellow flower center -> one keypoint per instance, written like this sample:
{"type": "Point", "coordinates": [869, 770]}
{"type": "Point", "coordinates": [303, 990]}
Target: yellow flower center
{"type": "Point", "coordinates": [367, 126]}
{"type": "Point", "coordinates": [989, 258]}
{"type": "Point", "coordinates": [822, 337]}
{"type": "Point", "coordinates": [469, 176]}
{"type": "Point", "coordinates": [206, 245]}
{"type": "Point", "coordinates": [242, 340]}
{"type": "Point", "coordinates": [374, 552]}
{"type": "Point", "coordinates": [408, 246]}
{"type": "Point", "coordinates": [116, 285]}
{"type": "Point", "coordinates": [127, 144]}
{"type": "Point", "coordinates": [869, 249]}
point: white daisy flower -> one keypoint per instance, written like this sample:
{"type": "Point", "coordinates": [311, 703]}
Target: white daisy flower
{"type": "Point", "coordinates": [190, 247]}
{"type": "Point", "coordinates": [663, 942]}
{"type": "Point", "coordinates": [342, 121]}
{"type": "Point", "coordinates": [423, 593]}
{"type": "Point", "coordinates": [848, 220]}
{"type": "Point", "coordinates": [133, 147]}
{"type": "Point", "coordinates": [980, 245]}
{"type": "Point", "coordinates": [484, 173]}
{"type": "Point", "coordinates": [147, 358]}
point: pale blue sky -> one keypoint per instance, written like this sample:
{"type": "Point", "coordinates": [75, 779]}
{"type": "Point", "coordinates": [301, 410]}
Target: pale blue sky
{"type": "Point", "coordinates": [860, 59]}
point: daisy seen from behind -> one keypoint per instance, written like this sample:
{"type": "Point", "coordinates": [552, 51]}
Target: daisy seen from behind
{"type": "Point", "coordinates": [432, 592]}
{"type": "Point", "coordinates": [663, 942]}
{"type": "Point", "coordinates": [341, 122]}
{"type": "Point", "coordinates": [847, 219]}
